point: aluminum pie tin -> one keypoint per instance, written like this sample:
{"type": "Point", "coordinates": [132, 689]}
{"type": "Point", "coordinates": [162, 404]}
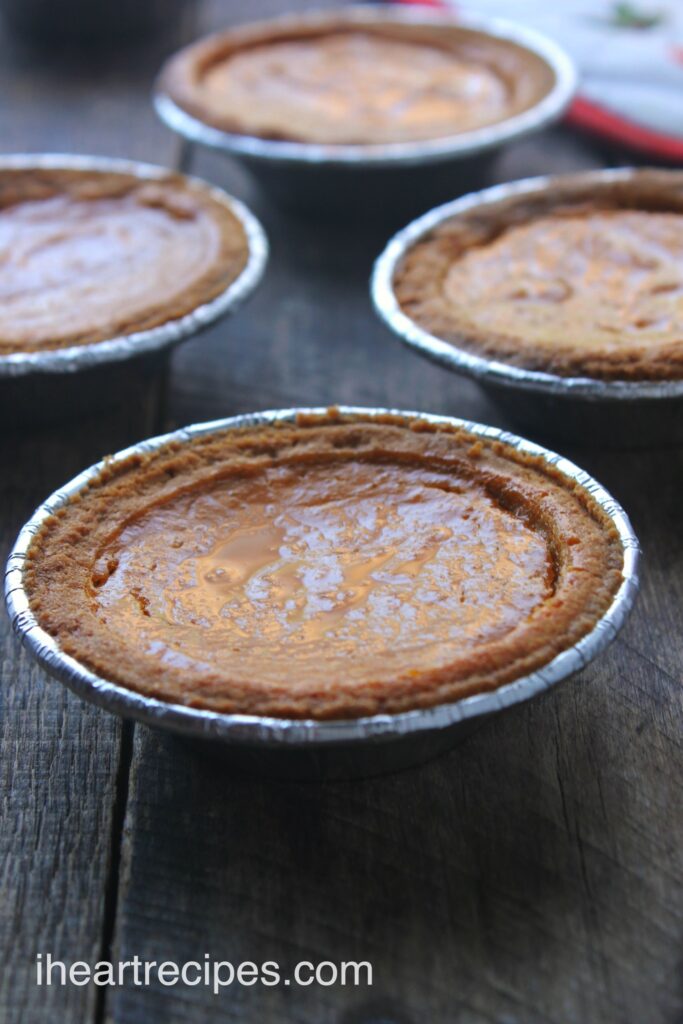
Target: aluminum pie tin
{"type": "Point", "coordinates": [311, 748]}
{"type": "Point", "coordinates": [634, 413]}
{"type": "Point", "coordinates": [281, 165]}
{"type": "Point", "coordinates": [57, 364]}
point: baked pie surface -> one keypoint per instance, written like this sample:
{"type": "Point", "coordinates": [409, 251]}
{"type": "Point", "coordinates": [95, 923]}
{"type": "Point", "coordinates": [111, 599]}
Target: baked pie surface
{"type": "Point", "coordinates": [333, 567]}
{"type": "Point", "coordinates": [91, 255]}
{"type": "Point", "coordinates": [352, 84]}
{"type": "Point", "coordinates": [577, 280]}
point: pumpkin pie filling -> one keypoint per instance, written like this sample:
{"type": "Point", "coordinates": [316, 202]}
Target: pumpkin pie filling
{"type": "Point", "coordinates": [587, 287]}
{"type": "Point", "coordinates": [330, 568]}
{"type": "Point", "coordinates": [87, 255]}
{"type": "Point", "coordinates": [351, 84]}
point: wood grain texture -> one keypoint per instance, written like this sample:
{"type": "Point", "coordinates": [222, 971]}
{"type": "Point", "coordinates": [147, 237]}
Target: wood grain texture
{"type": "Point", "coordinates": [532, 876]}
{"type": "Point", "coordinates": [60, 760]}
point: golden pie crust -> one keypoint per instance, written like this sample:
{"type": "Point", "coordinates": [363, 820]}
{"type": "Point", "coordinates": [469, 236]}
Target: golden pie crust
{"type": "Point", "coordinates": [333, 567]}
{"type": "Point", "coordinates": [91, 255]}
{"type": "Point", "coordinates": [348, 83]}
{"type": "Point", "coordinates": [582, 278]}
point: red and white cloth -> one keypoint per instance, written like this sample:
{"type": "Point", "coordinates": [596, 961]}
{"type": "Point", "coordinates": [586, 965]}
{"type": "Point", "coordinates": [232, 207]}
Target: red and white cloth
{"type": "Point", "coordinates": [630, 61]}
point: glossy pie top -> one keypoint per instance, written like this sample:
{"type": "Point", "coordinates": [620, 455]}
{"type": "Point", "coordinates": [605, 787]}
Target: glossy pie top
{"type": "Point", "coordinates": [350, 84]}
{"type": "Point", "coordinates": [87, 256]}
{"type": "Point", "coordinates": [331, 568]}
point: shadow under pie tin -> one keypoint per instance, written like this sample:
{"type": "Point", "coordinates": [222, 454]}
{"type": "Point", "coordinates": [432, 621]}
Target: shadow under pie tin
{"type": "Point", "coordinates": [590, 410]}
{"type": "Point", "coordinates": [309, 748]}
{"type": "Point", "coordinates": [379, 179]}
{"type": "Point", "coordinates": [39, 387]}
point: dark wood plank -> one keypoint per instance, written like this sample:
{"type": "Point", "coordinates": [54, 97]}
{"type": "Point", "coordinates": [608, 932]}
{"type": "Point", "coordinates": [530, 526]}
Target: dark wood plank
{"type": "Point", "coordinates": [62, 760]}
{"type": "Point", "coordinates": [532, 875]}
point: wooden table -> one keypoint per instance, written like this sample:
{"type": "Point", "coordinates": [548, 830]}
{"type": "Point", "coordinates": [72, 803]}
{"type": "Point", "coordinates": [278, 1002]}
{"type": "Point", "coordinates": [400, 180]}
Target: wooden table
{"type": "Point", "coordinates": [532, 876]}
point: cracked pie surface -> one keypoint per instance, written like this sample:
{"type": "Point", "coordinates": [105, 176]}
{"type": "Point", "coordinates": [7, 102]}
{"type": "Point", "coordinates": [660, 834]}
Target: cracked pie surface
{"type": "Point", "coordinates": [576, 279]}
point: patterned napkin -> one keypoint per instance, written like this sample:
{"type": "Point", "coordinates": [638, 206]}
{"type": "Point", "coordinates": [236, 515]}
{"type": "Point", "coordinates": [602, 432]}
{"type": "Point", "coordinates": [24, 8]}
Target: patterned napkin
{"type": "Point", "coordinates": [630, 61]}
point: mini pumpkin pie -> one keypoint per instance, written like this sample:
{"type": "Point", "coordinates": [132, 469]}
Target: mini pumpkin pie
{"type": "Point", "coordinates": [579, 277]}
{"type": "Point", "coordinates": [345, 81]}
{"type": "Point", "coordinates": [330, 567]}
{"type": "Point", "coordinates": [86, 256]}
